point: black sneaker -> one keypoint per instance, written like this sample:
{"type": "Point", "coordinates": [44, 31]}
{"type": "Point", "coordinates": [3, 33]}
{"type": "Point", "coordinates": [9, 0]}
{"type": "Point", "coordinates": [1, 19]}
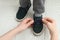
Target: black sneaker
{"type": "Point", "coordinates": [38, 25]}
{"type": "Point", "coordinates": [22, 12]}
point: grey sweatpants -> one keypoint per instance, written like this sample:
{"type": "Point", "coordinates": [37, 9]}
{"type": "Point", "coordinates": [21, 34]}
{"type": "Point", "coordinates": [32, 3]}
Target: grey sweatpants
{"type": "Point", "coordinates": [38, 6]}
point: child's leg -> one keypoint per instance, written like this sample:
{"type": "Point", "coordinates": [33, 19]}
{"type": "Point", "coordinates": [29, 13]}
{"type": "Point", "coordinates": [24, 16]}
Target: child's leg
{"type": "Point", "coordinates": [24, 3]}
{"type": "Point", "coordinates": [23, 9]}
{"type": "Point", "coordinates": [38, 7]}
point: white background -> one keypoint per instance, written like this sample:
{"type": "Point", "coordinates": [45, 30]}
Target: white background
{"type": "Point", "coordinates": [8, 10]}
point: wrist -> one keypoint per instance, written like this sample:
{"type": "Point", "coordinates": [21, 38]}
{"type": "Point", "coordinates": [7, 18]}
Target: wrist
{"type": "Point", "coordinates": [54, 33]}
{"type": "Point", "coordinates": [18, 29]}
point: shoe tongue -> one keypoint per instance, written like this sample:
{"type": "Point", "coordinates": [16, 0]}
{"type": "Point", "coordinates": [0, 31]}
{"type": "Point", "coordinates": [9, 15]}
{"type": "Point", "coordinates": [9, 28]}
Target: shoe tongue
{"type": "Point", "coordinates": [38, 20]}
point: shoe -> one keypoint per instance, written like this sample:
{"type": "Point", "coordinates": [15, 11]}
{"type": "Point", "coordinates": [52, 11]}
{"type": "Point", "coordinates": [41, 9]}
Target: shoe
{"type": "Point", "coordinates": [38, 25]}
{"type": "Point", "coordinates": [22, 12]}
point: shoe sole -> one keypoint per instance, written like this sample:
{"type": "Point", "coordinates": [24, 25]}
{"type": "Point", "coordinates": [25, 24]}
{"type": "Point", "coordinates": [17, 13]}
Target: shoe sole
{"type": "Point", "coordinates": [19, 20]}
{"type": "Point", "coordinates": [38, 34]}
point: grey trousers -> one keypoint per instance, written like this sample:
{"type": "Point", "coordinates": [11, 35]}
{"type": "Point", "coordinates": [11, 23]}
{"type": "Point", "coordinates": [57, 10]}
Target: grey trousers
{"type": "Point", "coordinates": [38, 6]}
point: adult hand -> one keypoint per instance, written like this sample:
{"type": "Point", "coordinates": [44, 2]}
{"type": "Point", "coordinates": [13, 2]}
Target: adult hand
{"type": "Point", "coordinates": [25, 24]}
{"type": "Point", "coordinates": [51, 24]}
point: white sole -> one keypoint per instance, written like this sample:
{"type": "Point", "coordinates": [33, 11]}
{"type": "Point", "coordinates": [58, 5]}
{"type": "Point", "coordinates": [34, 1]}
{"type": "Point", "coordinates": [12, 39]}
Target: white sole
{"type": "Point", "coordinates": [38, 34]}
{"type": "Point", "coordinates": [19, 20]}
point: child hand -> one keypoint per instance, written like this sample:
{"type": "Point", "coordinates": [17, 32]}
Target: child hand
{"type": "Point", "coordinates": [25, 24]}
{"type": "Point", "coordinates": [51, 25]}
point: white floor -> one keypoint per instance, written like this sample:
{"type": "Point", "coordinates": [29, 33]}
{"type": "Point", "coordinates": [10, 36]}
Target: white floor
{"type": "Point", "coordinates": [8, 10]}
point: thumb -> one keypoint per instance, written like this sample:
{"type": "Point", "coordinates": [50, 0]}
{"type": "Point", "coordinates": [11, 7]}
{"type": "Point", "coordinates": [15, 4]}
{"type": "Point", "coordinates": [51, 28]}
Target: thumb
{"type": "Point", "coordinates": [30, 22]}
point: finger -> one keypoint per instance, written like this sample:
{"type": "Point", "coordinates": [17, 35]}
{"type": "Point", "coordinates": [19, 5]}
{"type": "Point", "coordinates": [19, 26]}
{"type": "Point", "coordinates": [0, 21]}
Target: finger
{"type": "Point", "coordinates": [44, 21]}
{"type": "Point", "coordinates": [30, 23]}
{"type": "Point", "coordinates": [26, 20]}
{"type": "Point", "coordinates": [49, 19]}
